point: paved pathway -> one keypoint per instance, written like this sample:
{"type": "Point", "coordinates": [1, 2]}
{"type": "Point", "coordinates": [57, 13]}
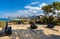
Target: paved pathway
{"type": "Point", "coordinates": [21, 32]}
{"type": "Point", "coordinates": [31, 34]}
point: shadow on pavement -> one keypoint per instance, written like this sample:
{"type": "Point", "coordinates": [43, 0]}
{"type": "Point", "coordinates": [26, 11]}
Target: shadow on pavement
{"type": "Point", "coordinates": [52, 29]}
{"type": "Point", "coordinates": [52, 36]}
{"type": "Point", "coordinates": [30, 34]}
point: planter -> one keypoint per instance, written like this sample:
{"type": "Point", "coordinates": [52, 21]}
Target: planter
{"type": "Point", "coordinates": [33, 26]}
{"type": "Point", "coordinates": [50, 26]}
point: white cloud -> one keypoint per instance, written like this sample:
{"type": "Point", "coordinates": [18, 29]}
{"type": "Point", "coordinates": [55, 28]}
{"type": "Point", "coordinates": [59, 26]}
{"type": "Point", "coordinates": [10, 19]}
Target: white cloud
{"type": "Point", "coordinates": [43, 4]}
{"type": "Point", "coordinates": [35, 3]}
{"type": "Point", "coordinates": [57, 11]}
{"type": "Point", "coordinates": [30, 7]}
{"type": "Point", "coordinates": [17, 13]}
{"type": "Point", "coordinates": [36, 10]}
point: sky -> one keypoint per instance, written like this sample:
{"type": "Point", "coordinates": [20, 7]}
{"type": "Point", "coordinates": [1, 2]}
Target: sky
{"type": "Point", "coordinates": [12, 8]}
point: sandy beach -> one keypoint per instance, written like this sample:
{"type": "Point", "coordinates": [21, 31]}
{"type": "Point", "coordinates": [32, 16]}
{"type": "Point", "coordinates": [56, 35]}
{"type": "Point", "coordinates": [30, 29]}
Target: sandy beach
{"type": "Point", "coordinates": [47, 31]}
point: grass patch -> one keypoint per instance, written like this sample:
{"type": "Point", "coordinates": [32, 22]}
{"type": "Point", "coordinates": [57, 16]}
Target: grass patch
{"type": "Point", "coordinates": [2, 23]}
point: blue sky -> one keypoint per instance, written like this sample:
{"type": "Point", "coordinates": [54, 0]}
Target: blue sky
{"type": "Point", "coordinates": [22, 7]}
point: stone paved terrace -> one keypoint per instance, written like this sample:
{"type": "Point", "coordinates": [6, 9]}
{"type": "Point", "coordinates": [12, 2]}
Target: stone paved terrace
{"type": "Point", "coordinates": [24, 32]}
